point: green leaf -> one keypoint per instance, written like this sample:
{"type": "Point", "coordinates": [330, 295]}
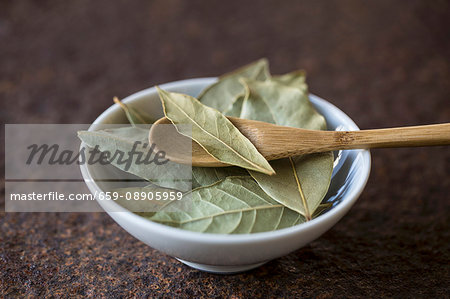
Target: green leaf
{"type": "Point", "coordinates": [222, 94]}
{"type": "Point", "coordinates": [321, 209]}
{"type": "Point", "coordinates": [294, 79]}
{"type": "Point", "coordinates": [227, 95]}
{"type": "Point", "coordinates": [233, 206]}
{"type": "Point", "coordinates": [124, 139]}
{"type": "Point", "coordinates": [283, 105]}
{"type": "Point", "coordinates": [134, 116]}
{"type": "Point", "coordinates": [213, 131]}
{"type": "Point", "coordinates": [300, 182]}
{"type": "Point", "coordinates": [236, 107]}
{"type": "Point", "coordinates": [142, 200]}
{"type": "Point", "coordinates": [204, 176]}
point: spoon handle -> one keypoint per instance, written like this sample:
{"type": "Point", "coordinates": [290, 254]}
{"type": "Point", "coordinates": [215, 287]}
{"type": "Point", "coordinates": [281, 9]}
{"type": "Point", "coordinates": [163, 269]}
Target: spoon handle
{"type": "Point", "coordinates": [394, 137]}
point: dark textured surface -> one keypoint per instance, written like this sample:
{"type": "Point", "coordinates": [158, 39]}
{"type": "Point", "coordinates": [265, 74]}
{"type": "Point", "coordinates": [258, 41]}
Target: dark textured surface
{"type": "Point", "coordinates": [385, 63]}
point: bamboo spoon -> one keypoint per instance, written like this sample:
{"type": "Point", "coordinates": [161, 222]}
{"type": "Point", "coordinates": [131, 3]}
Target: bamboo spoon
{"type": "Point", "coordinates": [275, 142]}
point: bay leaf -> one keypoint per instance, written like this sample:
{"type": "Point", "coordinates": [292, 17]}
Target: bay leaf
{"type": "Point", "coordinates": [294, 79]}
{"type": "Point", "coordinates": [169, 175]}
{"type": "Point", "coordinates": [236, 107]}
{"type": "Point", "coordinates": [236, 205]}
{"type": "Point", "coordinates": [283, 105]}
{"type": "Point", "coordinates": [137, 199]}
{"type": "Point", "coordinates": [204, 176]}
{"type": "Point", "coordinates": [321, 209]}
{"type": "Point", "coordinates": [222, 94]}
{"type": "Point", "coordinates": [134, 116]}
{"type": "Point", "coordinates": [213, 131]}
{"type": "Point", "coordinates": [300, 182]}
{"type": "Point", "coordinates": [228, 94]}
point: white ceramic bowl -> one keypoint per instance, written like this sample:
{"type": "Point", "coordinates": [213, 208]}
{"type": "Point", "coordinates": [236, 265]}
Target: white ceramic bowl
{"type": "Point", "coordinates": [236, 253]}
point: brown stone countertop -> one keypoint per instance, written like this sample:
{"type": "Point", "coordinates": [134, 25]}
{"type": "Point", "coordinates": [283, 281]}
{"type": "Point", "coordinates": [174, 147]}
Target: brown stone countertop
{"type": "Point", "coordinates": [385, 63]}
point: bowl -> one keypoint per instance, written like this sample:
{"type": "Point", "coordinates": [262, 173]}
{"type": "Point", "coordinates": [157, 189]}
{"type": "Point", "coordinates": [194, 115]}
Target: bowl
{"type": "Point", "coordinates": [235, 253]}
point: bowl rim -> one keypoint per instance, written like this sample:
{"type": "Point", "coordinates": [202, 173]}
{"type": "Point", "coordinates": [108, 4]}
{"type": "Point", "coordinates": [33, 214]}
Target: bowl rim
{"type": "Point", "coordinates": [192, 236]}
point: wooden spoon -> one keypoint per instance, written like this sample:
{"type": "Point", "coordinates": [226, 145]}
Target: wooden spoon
{"type": "Point", "coordinates": [275, 142]}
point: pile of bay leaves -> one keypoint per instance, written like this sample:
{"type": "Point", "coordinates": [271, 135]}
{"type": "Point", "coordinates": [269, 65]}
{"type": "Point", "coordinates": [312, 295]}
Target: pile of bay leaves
{"type": "Point", "coordinates": [253, 195]}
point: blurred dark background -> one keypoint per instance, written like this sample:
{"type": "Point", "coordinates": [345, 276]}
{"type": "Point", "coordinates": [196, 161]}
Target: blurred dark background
{"type": "Point", "coordinates": [384, 63]}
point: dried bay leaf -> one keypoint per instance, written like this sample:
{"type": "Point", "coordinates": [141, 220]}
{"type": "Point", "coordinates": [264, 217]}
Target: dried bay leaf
{"type": "Point", "coordinates": [134, 116]}
{"type": "Point", "coordinates": [294, 79]}
{"type": "Point", "coordinates": [300, 182]}
{"type": "Point", "coordinates": [213, 131]}
{"type": "Point", "coordinates": [227, 95]}
{"type": "Point", "coordinates": [222, 94]}
{"type": "Point", "coordinates": [204, 176]}
{"type": "Point", "coordinates": [208, 175]}
{"type": "Point", "coordinates": [123, 139]}
{"type": "Point", "coordinates": [283, 105]}
{"type": "Point", "coordinates": [321, 209]}
{"type": "Point", "coordinates": [142, 205]}
{"type": "Point", "coordinates": [236, 107]}
{"type": "Point", "coordinates": [236, 205]}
